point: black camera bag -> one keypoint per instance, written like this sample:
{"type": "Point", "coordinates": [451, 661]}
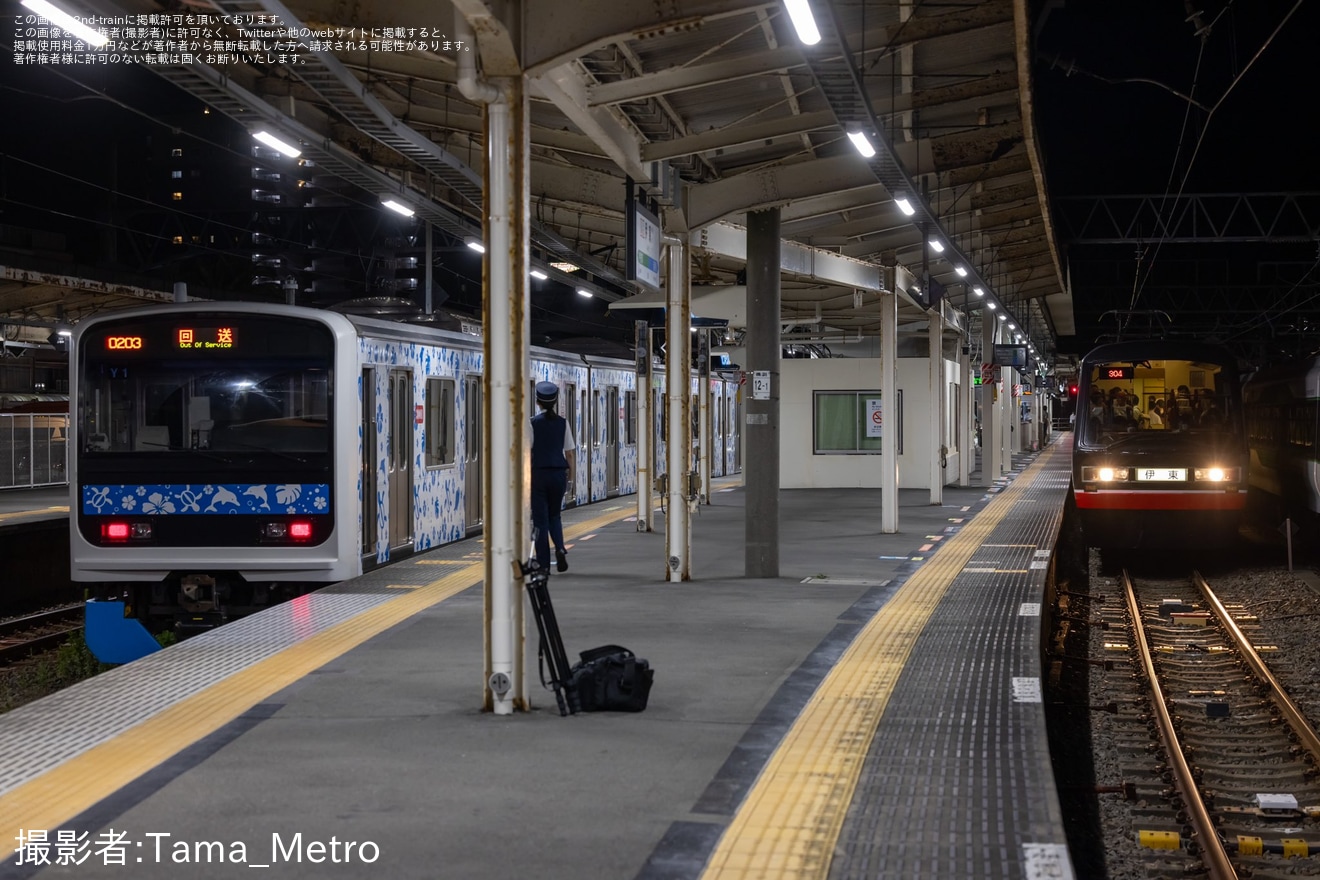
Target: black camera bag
{"type": "Point", "coordinates": [611, 679]}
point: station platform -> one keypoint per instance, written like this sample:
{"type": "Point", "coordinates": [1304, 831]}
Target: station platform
{"type": "Point", "coordinates": [874, 712]}
{"type": "Point", "coordinates": [25, 506]}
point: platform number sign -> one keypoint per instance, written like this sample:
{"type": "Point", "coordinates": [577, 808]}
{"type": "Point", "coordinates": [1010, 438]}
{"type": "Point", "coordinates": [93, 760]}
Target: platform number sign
{"type": "Point", "coordinates": [760, 385]}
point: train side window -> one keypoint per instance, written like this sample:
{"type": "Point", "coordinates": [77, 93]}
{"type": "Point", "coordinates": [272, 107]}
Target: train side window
{"type": "Point", "coordinates": [630, 417]}
{"type": "Point", "coordinates": [440, 433]}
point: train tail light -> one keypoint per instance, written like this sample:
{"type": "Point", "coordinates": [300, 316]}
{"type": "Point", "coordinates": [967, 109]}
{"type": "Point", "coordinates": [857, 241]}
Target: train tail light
{"type": "Point", "coordinates": [116, 532]}
{"type": "Point", "coordinates": [296, 530]}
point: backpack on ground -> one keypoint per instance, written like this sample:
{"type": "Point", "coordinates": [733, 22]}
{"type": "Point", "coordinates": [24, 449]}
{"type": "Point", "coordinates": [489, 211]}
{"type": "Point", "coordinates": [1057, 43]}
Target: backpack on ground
{"type": "Point", "coordinates": [611, 679]}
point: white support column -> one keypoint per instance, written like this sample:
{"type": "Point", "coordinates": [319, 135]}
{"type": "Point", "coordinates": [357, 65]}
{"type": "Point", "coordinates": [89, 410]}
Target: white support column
{"type": "Point", "coordinates": [678, 370]}
{"type": "Point", "coordinates": [644, 429]}
{"type": "Point", "coordinates": [889, 413]}
{"type": "Point", "coordinates": [966, 421]}
{"type": "Point", "coordinates": [1006, 418]}
{"type": "Point", "coordinates": [935, 381]}
{"type": "Point", "coordinates": [992, 431]}
{"type": "Point", "coordinates": [505, 414]}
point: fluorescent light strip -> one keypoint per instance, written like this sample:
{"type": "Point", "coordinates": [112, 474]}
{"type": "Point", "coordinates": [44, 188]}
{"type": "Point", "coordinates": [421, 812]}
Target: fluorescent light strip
{"type": "Point", "coordinates": [862, 143]}
{"type": "Point", "coordinates": [582, 291]}
{"type": "Point", "coordinates": [275, 143]}
{"type": "Point", "coordinates": [59, 17]}
{"type": "Point", "coordinates": [799, 12]}
{"type": "Point", "coordinates": [538, 274]}
{"type": "Point", "coordinates": [904, 205]}
{"type": "Point", "coordinates": [937, 246]}
{"type": "Point", "coordinates": [962, 273]}
{"type": "Point", "coordinates": [398, 207]}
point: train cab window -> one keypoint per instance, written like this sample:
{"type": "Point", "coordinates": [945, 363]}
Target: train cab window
{"type": "Point", "coordinates": [441, 438]}
{"type": "Point", "coordinates": [1162, 396]}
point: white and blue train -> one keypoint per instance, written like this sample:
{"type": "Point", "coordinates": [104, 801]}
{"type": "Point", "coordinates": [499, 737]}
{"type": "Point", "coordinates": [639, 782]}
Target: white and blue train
{"type": "Point", "coordinates": [227, 455]}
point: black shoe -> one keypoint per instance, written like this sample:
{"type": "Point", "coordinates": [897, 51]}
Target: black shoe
{"type": "Point", "coordinates": [561, 560]}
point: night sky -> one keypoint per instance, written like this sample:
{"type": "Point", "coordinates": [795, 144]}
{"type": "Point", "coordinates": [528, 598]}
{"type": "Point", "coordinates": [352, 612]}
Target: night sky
{"type": "Point", "coordinates": [1127, 134]}
{"type": "Point", "coordinates": [1113, 78]}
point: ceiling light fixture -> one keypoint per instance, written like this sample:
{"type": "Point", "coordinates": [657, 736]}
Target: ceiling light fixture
{"type": "Point", "coordinates": [582, 291]}
{"type": "Point", "coordinates": [962, 273]}
{"type": "Point", "coordinates": [903, 204]}
{"type": "Point", "coordinates": [396, 206]}
{"type": "Point", "coordinates": [799, 12]}
{"type": "Point", "coordinates": [936, 245]}
{"type": "Point", "coordinates": [275, 143]}
{"type": "Point", "coordinates": [475, 244]}
{"type": "Point", "coordinates": [862, 143]}
{"type": "Point", "coordinates": [1002, 316]}
{"type": "Point", "coordinates": [539, 275]}
{"type": "Point", "coordinates": [991, 306]}
{"type": "Point", "coordinates": [978, 291]}
{"type": "Point", "coordinates": [67, 22]}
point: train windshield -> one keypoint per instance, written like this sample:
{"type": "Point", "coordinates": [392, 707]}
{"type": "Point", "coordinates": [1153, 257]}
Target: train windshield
{"type": "Point", "coordinates": [1147, 400]}
{"type": "Point", "coordinates": [223, 389]}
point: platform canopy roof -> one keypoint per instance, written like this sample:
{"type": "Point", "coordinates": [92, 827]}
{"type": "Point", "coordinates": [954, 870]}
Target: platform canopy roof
{"type": "Point", "coordinates": [714, 106]}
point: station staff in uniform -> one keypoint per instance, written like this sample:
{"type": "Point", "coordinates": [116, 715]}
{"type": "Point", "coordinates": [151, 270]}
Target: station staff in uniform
{"type": "Point", "coordinates": [553, 458]}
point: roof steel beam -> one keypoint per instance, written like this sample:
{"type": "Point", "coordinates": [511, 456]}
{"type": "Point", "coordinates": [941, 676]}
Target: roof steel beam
{"type": "Point", "coordinates": [1271, 218]}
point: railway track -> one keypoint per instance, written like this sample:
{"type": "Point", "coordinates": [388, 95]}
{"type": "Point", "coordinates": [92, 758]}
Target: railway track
{"type": "Point", "coordinates": [22, 637]}
{"type": "Point", "coordinates": [1218, 762]}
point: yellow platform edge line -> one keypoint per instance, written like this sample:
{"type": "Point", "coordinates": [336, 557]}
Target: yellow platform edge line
{"type": "Point", "coordinates": [64, 791]}
{"type": "Point", "coordinates": [789, 823]}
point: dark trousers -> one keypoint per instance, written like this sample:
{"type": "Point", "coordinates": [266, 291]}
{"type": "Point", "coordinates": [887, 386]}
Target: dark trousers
{"type": "Point", "coordinates": [548, 487]}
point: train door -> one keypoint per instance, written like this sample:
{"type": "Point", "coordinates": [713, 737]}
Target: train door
{"type": "Point", "coordinates": [660, 459]}
{"type": "Point", "coordinates": [717, 429]}
{"type": "Point", "coordinates": [612, 440]}
{"type": "Point", "coordinates": [472, 406]}
{"type": "Point", "coordinates": [584, 444]}
{"type": "Point", "coordinates": [570, 415]}
{"type": "Point", "coordinates": [369, 510]}
{"type": "Point", "coordinates": [735, 427]}
{"type": "Point", "coordinates": [399, 458]}
{"type": "Point", "coordinates": [597, 434]}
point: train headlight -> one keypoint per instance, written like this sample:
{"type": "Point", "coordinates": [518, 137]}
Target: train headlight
{"type": "Point", "coordinates": [1216, 475]}
{"type": "Point", "coordinates": [1104, 474]}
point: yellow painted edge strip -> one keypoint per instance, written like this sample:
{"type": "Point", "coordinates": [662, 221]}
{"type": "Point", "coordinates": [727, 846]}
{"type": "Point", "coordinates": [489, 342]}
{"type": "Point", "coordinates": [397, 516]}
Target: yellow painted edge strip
{"type": "Point", "coordinates": [789, 823]}
{"type": "Point", "coordinates": [66, 790]}
{"type": "Point", "coordinates": [35, 512]}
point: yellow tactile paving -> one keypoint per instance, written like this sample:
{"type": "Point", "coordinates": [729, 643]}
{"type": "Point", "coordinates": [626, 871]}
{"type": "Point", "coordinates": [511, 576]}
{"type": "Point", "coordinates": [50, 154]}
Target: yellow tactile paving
{"type": "Point", "coordinates": [790, 821]}
{"type": "Point", "coordinates": [63, 792]}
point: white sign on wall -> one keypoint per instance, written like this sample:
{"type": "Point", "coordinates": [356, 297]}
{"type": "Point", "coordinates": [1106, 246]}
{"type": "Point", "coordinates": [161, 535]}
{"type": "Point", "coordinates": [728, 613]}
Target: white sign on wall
{"type": "Point", "coordinates": [874, 417]}
{"type": "Point", "coordinates": [760, 385]}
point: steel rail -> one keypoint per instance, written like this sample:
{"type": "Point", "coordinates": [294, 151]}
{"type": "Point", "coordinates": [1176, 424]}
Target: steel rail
{"type": "Point", "coordinates": [35, 645]}
{"type": "Point", "coordinates": [41, 618]}
{"type": "Point", "coordinates": [1302, 728]}
{"type": "Point", "coordinates": [1213, 853]}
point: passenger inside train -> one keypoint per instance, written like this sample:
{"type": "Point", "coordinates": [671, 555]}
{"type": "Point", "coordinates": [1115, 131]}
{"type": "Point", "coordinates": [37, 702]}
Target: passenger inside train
{"type": "Point", "coordinates": [1181, 396]}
